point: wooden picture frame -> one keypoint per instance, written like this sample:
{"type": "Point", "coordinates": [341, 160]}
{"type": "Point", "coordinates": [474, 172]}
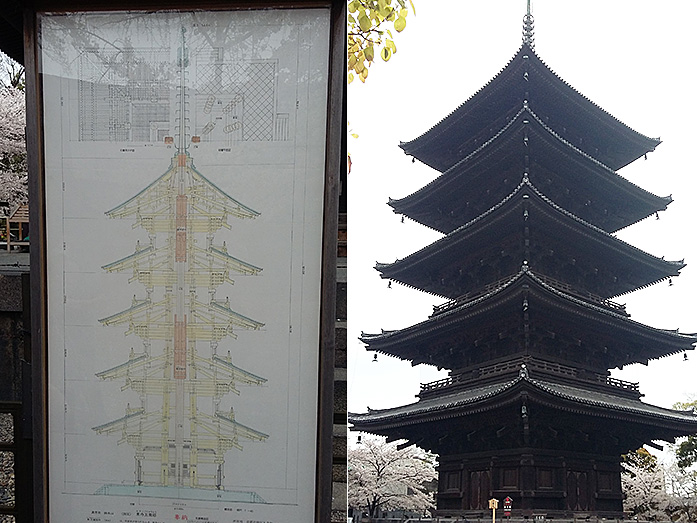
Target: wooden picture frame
{"type": "Point", "coordinates": [83, 134]}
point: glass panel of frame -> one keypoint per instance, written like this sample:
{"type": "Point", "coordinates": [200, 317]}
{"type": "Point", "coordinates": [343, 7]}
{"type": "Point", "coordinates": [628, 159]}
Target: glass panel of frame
{"type": "Point", "coordinates": [184, 153]}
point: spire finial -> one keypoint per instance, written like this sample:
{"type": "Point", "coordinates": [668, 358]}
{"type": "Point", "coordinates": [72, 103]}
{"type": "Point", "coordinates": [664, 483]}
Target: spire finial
{"type": "Point", "coordinates": [529, 29]}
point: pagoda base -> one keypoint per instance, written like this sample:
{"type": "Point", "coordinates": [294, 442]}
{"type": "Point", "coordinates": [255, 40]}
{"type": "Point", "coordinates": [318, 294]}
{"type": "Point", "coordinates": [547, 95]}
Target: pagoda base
{"type": "Point", "coordinates": [556, 484]}
{"type": "Point", "coordinates": [143, 491]}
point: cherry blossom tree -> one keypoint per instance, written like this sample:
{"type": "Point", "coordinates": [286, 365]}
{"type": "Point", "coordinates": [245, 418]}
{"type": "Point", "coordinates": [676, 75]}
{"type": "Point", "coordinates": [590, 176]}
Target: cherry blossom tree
{"type": "Point", "coordinates": [681, 484]}
{"type": "Point", "coordinates": [11, 73]}
{"type": "Point", "coordinates": [13, 154]}
{"type": "Point", "coordinates": [643, 484]}
{"type": "Point", "coordinates": [384, 476]}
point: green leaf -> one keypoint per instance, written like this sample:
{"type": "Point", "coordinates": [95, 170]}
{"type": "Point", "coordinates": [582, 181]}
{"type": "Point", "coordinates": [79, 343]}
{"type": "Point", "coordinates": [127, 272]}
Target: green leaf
{"type": "Point", "coordinates": [364, 22]}
{"type": "Point", "coordinates": [385, 53]}
{"type": "Point", "coordinates": [369, 53]}
{"type": "Point", "coordinates": [350, 77]}
{"type": "Point", "coordinates": [399, 24]}
{"type": "Point", "coordinates": [413, 9]}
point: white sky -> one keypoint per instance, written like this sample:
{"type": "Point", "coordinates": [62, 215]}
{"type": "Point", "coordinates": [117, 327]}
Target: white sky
{"type": "Point", "coordinates": [634, 58]}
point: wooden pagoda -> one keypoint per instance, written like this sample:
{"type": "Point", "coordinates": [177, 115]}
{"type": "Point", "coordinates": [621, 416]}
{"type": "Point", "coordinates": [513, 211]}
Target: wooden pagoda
{"type": "Point", "coordinates": [528, 200]}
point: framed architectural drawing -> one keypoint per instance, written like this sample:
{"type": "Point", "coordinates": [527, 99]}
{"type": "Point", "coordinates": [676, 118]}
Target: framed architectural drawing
{"type": "Point", "coordinates": [184, 178]}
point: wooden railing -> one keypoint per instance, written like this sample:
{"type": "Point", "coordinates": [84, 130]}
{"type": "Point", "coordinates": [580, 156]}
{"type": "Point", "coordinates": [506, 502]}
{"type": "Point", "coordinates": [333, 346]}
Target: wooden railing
{"type": "Point", "coordinates": [439, 309]}
{"type": "Point", "coordinates": [614, 382]}
{"type": "Point", "coordinates": [533, 365]}
{"type": "Point", "coordinates": [585, 295]}
{"type": "Point", "coordinates": [552, 282]}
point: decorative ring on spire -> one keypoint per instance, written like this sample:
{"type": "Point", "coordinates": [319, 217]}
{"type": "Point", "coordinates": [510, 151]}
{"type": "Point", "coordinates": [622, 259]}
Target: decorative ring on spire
{"type": "Point", "coordinates": [529, 31]}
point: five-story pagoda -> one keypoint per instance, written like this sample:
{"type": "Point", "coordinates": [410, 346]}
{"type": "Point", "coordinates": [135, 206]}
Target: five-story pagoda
{"type": "Point", "coordinates": [528, 199]}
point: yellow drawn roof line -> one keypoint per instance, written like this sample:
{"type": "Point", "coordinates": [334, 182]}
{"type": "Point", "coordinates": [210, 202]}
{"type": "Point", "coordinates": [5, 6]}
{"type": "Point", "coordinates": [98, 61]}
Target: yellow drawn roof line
{"type": "Point", "coordinates": [130, 363]}
{"type": "Point", "coordinates": [234, 368]}
{"type": "Point", "coordinates": [165, 176]}
{"type": "Point", "coordinates": [123, 419]}
{"type": "Point", "coordinates": [230, 313]}
{"type": "Point", "coordinates": [226, 256]}
{"type": "Point", "coordinates": [138, 306]}
{"type": "Point", "coordinates": [245, 428]}
{"type": "Point", "coordinates": [196, 174]}
{"type": "Point", "coordinates": [130, 258]}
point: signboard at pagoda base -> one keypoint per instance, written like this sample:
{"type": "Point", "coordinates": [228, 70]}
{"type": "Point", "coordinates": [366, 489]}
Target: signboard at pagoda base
{"type": "Point", "coordinates": [184, 172]}
{"type": "Point", "coordinates": [507, 506]}
{"type": "Point", "coordinates": [493, 505]}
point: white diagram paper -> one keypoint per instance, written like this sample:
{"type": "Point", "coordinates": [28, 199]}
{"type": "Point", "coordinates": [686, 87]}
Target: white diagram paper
{"type": "Point", "coordinates": [184, 187]}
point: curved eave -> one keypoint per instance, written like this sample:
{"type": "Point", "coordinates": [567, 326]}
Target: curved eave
{"type": "Point", "coordinates": [235, 317]}
{"type": "Point", "coordinates": [431, 406]}
{"type": "Point", "coordinates": [491, 397]}
{"type": "Point", "coordinates": [243, 210]}
{"type": "Point", "coordinates": [644, 143]}
{"type": "Point", "coordinates": [433, 323]}
{"type": "Point", "coordinates": [129, 206]}
{"type": "Point", "coordinates": [239, 429]}
{"type": "Point", "coordinates": [627, 405]}
{"type": "Point", "coordinates": [129, 261]}
{"type": "Point", "coordinates": [680, 341]}
{"type": "Point", "coordinates": [458, 175]}
{"type": "Point", "coordinates": [446, 246]}
{"type": "Point", "coordinates": [237, 371]}
{"type": "Point", "coordinates": [420, 147]}
{"type": "Point", "coordinates": [609, 173]}
{"type": "Point", "coordinates": [412, 147]}
{"type": "Point", "coordinates": [137, 307]}
{"type": "Point", "coordinates": [238, 265]}
{"type": "Point", "coordinates": [395, 343]}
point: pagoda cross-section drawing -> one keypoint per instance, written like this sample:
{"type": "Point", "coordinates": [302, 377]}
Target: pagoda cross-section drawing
{"type": "Point", "coordinates": [182, 370]}
{"type": "Point", "coordinates": [528, 199]}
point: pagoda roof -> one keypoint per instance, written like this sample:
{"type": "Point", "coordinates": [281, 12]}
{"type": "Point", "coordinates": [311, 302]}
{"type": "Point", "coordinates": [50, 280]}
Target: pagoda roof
{"type": "Point", "coordinates": [206, 321]}
{"type": "Point", "coordinates": [206, 197]}
{"type": "Point", "coordinates": [559, 396]}
{"type": "Point", "coordinates": [524, 143]}
{"type": "Point", "coordinates": [229, 432]}
{"type": "Point", "coordinates": [443, 267]}
{"type": "Point", "coordinates": [527, 77]}
{"type": "Point", "coordinates": [623, 340]}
